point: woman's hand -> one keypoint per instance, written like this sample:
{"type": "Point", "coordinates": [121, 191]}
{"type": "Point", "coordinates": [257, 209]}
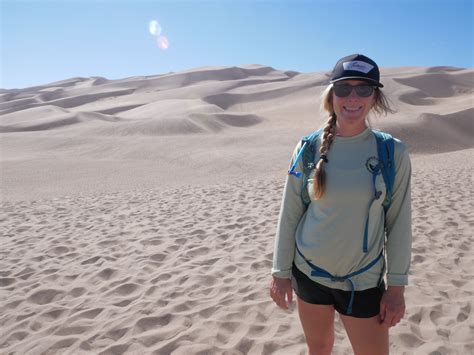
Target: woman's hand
{"type": "Point", "coordinates": [392, 306]}
{"type": "Point", "coordinates": [279, 289]}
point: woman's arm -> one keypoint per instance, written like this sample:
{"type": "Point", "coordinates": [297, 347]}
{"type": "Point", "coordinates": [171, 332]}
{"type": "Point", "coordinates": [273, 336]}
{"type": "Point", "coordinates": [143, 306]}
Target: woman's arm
{"type": "Point", "coordinates": [291, 211]}
{"type": "Point", "coordinates": [399, 240]}
{"type": "Point", "coordinates": [398, 221]}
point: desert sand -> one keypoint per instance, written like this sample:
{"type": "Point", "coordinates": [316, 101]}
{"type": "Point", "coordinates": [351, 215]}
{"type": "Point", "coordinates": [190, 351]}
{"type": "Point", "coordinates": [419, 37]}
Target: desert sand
{"type": "Point", "coordinates": [138, 215]}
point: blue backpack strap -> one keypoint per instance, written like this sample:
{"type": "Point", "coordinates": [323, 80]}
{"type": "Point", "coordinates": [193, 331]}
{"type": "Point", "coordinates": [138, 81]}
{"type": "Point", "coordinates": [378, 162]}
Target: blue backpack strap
{"type": "Point", "coordinates": [306, 142]}
{"type": "Point", "coordinates": [386, 153]}
{"type": "Point", "coordinates": [309, 164]}
{"type": "Point", "coordinates": [320, 272]}
{"type": "Point", "coordinates": [306, 153]}
{"type": "Point", "coordinates": [292, 170]}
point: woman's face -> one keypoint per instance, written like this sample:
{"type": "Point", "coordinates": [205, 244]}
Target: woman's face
{"type": "Point", "coordinates": [352, 110]}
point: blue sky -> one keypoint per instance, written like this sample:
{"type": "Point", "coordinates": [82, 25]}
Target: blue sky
{"type": "Point", "coordinates": [46, 41]}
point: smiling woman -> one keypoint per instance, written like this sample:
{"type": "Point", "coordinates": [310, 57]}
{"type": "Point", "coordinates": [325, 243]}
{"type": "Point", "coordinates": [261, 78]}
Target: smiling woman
{"type": "Point", "coordinates": [331, 249]}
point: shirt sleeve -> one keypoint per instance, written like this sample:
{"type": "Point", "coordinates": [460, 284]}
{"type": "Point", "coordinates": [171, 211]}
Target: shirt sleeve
{"type": "Point", "coordinates": [291, 211]}
{"type": "Point", "coordinates": [398, 220]}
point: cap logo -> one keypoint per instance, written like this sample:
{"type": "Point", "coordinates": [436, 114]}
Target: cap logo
{"type": "Point", "coordinates": [358, 65]}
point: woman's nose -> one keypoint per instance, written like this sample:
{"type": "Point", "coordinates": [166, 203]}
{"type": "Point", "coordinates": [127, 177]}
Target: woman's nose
{"type": "Point", "coordinates": [353, 94]}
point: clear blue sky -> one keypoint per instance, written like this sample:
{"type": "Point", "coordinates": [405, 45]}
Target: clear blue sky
{"type": "Point", "coordinates": [45, 41]}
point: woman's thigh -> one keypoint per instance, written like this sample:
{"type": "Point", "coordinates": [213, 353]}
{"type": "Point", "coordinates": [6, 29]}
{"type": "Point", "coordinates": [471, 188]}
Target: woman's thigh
{"type": "Point", "coordinates": [366, 335]}
{"type": "Point", "coordinates": [318, 325]}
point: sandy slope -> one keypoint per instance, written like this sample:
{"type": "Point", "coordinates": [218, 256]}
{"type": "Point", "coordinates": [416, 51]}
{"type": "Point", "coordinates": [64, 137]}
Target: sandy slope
{"type": "Point", "coordinates": [138, 215]}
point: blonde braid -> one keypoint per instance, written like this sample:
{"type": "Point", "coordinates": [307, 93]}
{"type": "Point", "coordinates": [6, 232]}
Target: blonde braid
{"type": "Point", "coordinates": [329, 133]}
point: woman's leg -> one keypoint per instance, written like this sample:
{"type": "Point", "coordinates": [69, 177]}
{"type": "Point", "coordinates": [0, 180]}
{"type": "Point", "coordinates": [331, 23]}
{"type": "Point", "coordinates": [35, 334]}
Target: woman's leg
{"type": "Point", "coordinates": [367, 335]}
{"type": "Point", "coordinates": [318, 326]}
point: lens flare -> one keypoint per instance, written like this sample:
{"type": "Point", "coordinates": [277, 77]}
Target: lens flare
{"type": "Point", "coordinates": [162, 42]}
{"type": "Point", "coordinates": [154, 28]}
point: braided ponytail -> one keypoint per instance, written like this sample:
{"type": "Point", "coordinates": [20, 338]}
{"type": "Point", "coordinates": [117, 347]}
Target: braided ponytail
{"type": "Point", "coordinates": [329, 133]}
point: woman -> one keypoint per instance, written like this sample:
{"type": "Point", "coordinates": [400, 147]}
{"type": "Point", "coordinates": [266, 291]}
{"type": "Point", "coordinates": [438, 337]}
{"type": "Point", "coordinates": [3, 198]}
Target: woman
{"type": "Point", "coordinates": [344, 230]}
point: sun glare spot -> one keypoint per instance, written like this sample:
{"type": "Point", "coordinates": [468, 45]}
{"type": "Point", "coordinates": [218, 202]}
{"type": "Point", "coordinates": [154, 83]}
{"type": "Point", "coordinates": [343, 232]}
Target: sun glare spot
{"type": "Point", "coordinates": [162, 42]}
{"type": "Point", "coordinates": [155, 28]}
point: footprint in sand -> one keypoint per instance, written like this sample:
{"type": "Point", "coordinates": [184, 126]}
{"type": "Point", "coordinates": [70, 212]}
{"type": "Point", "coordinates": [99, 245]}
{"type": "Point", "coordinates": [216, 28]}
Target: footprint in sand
{"type": "Point", "coordinates": [115, 349]}
{"type": "Point", "coordinates": [125, 303]}
{"type": "Point", "coordinates": [62, 344]}
{"type": "Point", "coordinates": [116, 334]}
{"type": "Point", "coordinates": [410, 341]}
{"type": "Point", "coordinates": [45, 296]}
{"type": "Point", "coordinates": [54, 314]}
{"type": "Point", "coordinates": [125, 290]}
{"type": "Point", "coordinates": [107, 273]}
{"type": "Point", "coordinates": [418, 259]}
{"type": "Point", "coordinates": [77, 291]}
{"type": "Point", "coordinates": [6, 281]}
{"type": "Point", "coordinates": [72, 330]}
{"type": "Point", "coordinates": [92, 260]}
{"type": "Point", "coordinates": [149, 323]}
{"type": "Point", "coordinates": [464, 314]}
{"type": "Point", "coordinates": [159, 257]}
{"type": "Point", "coordinates": [60, 250]}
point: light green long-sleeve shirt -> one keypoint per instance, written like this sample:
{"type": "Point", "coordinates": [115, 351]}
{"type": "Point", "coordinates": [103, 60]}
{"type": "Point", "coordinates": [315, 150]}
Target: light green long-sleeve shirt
{"type": "Point", "coordinates": [330, 231]}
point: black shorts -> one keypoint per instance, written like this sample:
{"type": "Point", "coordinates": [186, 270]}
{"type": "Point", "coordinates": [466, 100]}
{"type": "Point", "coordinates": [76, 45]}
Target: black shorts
{"type": "Point", "coordinates": [366, 303]}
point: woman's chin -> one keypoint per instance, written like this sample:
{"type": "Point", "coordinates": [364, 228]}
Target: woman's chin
{"type": "Point", "coordinates": [351, 119]}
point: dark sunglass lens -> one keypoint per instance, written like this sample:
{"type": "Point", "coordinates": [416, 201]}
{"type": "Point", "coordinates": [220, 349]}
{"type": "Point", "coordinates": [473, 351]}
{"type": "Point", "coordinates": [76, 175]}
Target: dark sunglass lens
{"type": "Point", "coordinates": [364, 90]}
{"type": "Point", "coordinates": [342, 90]}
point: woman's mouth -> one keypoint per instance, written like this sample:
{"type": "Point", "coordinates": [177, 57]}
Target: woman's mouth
{"type": "Point", "coordinates": [352, 109]}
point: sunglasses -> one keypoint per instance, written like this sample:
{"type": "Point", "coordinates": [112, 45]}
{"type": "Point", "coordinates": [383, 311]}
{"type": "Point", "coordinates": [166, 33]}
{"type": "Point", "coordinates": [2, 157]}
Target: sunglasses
{"type": "Point", "coordinates": [344, 90]}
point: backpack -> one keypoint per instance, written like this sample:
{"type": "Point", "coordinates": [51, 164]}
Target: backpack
{"type": "Point", "coordinates": [385, 150]}
{"type": "Point", "coordinates": [386, 166]}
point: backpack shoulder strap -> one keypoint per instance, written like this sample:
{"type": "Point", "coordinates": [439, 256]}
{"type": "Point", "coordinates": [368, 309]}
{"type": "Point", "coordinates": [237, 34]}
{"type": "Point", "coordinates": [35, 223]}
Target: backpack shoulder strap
{"type": "Point", "coordinates": [386, 153]}
{"type": "Point", "coordinates": [308, 163]}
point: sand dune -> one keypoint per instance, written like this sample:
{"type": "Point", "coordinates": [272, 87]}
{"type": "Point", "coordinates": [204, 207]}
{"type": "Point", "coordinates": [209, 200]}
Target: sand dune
{"type": "Point", "coordinates": [439, 84]}
{"type": "Point", "coordinates": [430, 133]}
{"type": "Point", "coordinates": [49, 117]}
{"type": "Point", "coordinates": [138, 215]}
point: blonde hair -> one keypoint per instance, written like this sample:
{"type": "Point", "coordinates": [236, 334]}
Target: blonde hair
{"type": "Point", "coordinates": [381, 106]}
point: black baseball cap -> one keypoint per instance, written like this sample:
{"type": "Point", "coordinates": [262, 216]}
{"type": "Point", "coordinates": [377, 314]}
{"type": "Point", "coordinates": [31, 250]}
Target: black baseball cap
{"type": "Point", "coordinates": [356, 66]}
